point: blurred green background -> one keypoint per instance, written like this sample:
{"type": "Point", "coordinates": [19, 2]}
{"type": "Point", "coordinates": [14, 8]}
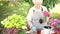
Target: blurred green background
{"type": "Point", "coordinates": [21, 7]}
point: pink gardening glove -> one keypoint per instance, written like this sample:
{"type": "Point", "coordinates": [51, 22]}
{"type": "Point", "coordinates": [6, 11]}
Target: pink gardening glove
{"type": "Point", "coordinates": [46, 14]}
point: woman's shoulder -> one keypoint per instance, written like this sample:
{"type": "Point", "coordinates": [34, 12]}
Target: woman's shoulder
{"type": "Point", "coordinates": [32, 8]}
{"type": "Point", "coordinates": [44, 7]}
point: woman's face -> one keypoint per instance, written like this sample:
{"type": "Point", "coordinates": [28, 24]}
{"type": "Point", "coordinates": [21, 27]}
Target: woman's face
{"type": "Point", "coordinates": [37, 2]}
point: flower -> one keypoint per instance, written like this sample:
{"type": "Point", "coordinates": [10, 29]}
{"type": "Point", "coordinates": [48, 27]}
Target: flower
{"type": "Point", "coordinates": [56, 20]}
{"type": "Point", "coordinates": [55, 24]}
{"type": "Point", "coordinates": [52, 24]}
{"type": "Point", "coordinates": [2, 22]}
{"type": "Point", "coordinates": [59, 22]}
{"type": "Point", "coordinates": [24, 27]}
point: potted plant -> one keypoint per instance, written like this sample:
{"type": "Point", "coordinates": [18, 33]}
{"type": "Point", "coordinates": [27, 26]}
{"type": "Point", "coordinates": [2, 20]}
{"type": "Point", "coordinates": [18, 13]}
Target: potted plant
{"type": "Point", "coordinates": [13, 23]}
{"type": "Point", "coordinates": [55, 24]}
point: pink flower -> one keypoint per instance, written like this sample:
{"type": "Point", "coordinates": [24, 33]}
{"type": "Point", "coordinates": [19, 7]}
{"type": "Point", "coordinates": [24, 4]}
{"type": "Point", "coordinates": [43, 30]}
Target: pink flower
{"type": "Point", "coordinates": [56, 28]}
{"type": "Point", "coordinates": [56, 21]}
{"type": "Point", "coordinates": [52, 24]}
{"type": "Point", "coordinates": [55, 24]}
{"type": "Point", "coordinates": [46, 14]}
{"type": "Point", "coordinates": [59, 22]}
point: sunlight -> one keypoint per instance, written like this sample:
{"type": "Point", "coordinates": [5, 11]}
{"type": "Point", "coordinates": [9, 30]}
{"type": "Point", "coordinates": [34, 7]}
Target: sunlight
{"type": "Point", "coordinates": [56, 9]}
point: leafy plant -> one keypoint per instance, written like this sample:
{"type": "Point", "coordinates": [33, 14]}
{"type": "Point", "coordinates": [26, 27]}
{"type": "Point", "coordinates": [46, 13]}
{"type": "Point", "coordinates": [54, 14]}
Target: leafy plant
{"type": "Point", "coordinates": [47, 3]}
{"type": "Point", "coordinates": [20, 8]}
{"type": "Point", "coordinates": [14, 20]}
{"type": "Point", "coordinates": [55, 15]}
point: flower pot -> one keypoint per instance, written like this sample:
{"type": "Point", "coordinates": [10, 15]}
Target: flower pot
{"type": "Point", "coordinates": [47, 30]}
{"type": "Point", "coordinates": [38, 31]}
{"type": "Point", "coordinates": [59, 31]}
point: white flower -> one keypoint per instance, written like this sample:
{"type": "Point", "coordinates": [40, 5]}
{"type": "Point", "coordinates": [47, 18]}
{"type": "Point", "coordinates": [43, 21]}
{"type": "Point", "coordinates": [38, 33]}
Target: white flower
{"type": "Point", "coordinates": [2, 22]}
{"type": "Point", "coordinates": [24, 27]}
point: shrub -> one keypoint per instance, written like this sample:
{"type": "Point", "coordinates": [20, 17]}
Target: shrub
{"type": "Point", "coordinates": [16, 21]}
{"type": "Point", "coordinates": [55, 15]}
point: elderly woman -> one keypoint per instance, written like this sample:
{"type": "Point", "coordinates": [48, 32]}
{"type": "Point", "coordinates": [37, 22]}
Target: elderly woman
{"type": "Point", "coordinates": [36, 17]}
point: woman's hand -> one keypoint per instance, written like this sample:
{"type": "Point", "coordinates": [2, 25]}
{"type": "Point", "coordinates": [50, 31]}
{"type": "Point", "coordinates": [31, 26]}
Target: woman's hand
{"type": "Point", "coordinates": [33, 28]}
{"type": "Point", "coordinates": [30, 24]}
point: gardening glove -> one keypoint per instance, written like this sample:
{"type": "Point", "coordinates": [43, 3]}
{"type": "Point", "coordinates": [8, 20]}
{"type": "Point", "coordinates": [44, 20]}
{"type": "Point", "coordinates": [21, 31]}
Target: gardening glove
{"type": "Point", "coordinates": [33, 28]}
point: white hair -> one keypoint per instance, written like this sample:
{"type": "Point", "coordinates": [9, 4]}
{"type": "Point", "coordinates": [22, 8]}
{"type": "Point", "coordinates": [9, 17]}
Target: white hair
{"type": "Point", "coordinates": [37, 1]}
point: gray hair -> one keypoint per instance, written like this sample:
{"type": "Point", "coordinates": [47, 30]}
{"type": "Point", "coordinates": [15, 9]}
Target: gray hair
{"type": "Point", "coordinates": [37, 1]}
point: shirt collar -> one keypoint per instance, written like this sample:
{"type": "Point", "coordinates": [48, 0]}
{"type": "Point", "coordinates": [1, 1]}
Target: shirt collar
{"type": "Point", "coordinates": [36, 9]}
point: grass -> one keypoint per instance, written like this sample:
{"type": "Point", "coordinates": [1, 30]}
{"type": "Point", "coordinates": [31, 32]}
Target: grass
{"type": "Point", "coordinates": [22, 32]}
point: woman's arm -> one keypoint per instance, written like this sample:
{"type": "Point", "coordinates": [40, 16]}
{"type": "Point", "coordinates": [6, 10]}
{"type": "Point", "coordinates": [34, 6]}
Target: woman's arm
{"type": "Point", "coordinates": [46, 13]}
{"type": "Point", "coordinates": [30, 24]}
{"type": "Point", "coordinates": [47, 19]}
{"type": "Point", "coordinates": [29, 17]}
